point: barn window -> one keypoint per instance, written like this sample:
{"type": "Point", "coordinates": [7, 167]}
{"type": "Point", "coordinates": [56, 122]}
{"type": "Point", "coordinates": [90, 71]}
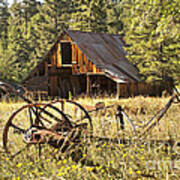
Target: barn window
{"type": "Point", "coordinates": [66, 53]}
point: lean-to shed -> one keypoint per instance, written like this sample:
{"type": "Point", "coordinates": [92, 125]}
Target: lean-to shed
{"type": "Point", "coordinates": [89, 63]}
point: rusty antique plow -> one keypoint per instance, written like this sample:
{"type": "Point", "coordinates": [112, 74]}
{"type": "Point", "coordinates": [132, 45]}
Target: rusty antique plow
{"type": "Point", "coordinates": [41, 123]}
{"type": "Point", "coordinates": [59, 124]}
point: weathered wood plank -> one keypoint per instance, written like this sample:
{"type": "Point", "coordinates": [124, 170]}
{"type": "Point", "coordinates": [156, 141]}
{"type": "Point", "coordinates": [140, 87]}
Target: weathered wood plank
{"type": "Point", "coordinates": [118, 85]}
{"type": "Point", "coordinates": [59, 61]}
{"type": "Point", "coordinates": [88, 85]}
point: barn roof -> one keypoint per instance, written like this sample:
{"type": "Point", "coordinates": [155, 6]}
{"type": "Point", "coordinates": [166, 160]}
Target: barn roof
{"type": "Point", "coordinates": [107, 53]}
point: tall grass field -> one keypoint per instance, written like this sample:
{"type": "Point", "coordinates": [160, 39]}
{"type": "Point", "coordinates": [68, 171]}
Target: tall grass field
{"type": "Point", "coordinates": [148, 157]}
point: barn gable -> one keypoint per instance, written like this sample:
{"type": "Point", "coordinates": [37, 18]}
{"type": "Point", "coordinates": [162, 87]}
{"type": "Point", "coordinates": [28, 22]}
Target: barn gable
{"type": "Point", "coordinates": [106, 52]}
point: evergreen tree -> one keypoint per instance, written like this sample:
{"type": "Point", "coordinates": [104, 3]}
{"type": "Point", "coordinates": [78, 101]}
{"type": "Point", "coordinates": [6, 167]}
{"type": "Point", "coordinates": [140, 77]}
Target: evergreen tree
{"type": "Point", "coordinates": [153, 38]}
{"type": "Point", "coordinates": [114, 18]}
{"type": "Point", "coordinates": [29, 10]}
{"type": "Point", "coordinates": [98, 15]}
{"type": "Point", "coordinates": [53, 19]}
{"type": "Point", "coordinates": [21, 47]}
{"type": "Point", "coordinates": [80, 15]}
{"type": "Point", "coordinates": [4, 15]}
{"type": "Point", "coordinates": [48, 23]}
{"type": "Point", "coordinates": [90, 15]}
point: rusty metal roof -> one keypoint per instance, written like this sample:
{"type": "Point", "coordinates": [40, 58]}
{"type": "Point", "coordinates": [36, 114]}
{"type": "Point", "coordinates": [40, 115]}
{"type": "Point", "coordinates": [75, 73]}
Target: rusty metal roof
{"type": "Point", "coordinates": [107, 53]}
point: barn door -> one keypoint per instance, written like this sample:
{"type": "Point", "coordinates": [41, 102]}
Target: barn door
{"type": "Point", "coordinates": [64, 87]}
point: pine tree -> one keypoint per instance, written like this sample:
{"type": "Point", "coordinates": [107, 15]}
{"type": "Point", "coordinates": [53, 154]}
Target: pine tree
{"type": "Point", "coordinates": [80, 15]}
{"type": "Point", "coordinates": [29, 10]}
{"type": "Point", "coordinates": [51, 20]}
{"type": "Point", "coordinates": [98, 15]}
{"type": "Point", "coordinates": [152, 34]}
{"type": "Point", "coordinates": [19, 51]}
{"type": "Point", "coordinates": [114, 18]}
{"type": "Point", "coordinates": [90, 15]}
{"type": "Point", "coordinates": [4, 16]}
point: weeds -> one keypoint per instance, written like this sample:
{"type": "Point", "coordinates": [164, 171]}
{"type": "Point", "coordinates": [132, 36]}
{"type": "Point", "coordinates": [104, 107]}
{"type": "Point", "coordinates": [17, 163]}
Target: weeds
{"type": "Point", "coordinates": [104, 160]}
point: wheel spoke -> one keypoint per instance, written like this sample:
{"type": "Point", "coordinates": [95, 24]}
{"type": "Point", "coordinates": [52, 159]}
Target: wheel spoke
{"type": "Point", "coordinates": [40, 149]}
{"type": "Point", "coordinates": [21, 150]}
{"type": "Point", "coordinates": [45, 119]}
{"type": "Point", "coordinates": [30, 116]}
{"type": "Point", "coordinates": [18, 128]}
{"type": "Point", "coordinates": [79, 120]}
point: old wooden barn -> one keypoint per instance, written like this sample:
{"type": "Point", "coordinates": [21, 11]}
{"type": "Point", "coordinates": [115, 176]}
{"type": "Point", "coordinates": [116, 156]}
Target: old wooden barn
{"type": "Point", "coordinates": [87, 63]}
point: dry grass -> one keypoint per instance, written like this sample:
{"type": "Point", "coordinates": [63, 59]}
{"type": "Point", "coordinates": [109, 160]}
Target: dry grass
{"type": "Point", "coordinates": [113, 161]}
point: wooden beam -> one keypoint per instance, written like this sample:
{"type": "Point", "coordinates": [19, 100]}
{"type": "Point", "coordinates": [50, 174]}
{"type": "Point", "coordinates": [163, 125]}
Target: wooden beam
{"type": "Point", "coordinates": [91, 73]}
{"type": "Point", "coordinates": [65, 41]}
{"type": "Point", "coordinates": [46, 68]}
{"type": "Point", "coordinates": [118, 90]}
{"type": "Point", "coordinates": [87, 85]}
{"type": "Point", "coordinates": [63, 108]}
{"type": "Point", "coordinates": [59, 59]}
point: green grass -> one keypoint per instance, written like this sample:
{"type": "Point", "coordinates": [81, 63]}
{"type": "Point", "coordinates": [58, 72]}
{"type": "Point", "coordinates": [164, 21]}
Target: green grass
{"type": "Point", "coordinates": [112, 161]}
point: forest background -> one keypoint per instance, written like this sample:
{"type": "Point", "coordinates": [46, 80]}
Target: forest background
{"type": "Point", "coordinates": [150, 29]}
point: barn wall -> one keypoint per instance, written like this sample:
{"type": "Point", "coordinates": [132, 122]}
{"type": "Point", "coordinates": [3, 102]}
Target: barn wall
{"type": "Point", "coordinates": [141, 88]}
{"type": "Point", "coordinates": [65, 85]}
{"type": "Point", "coordinates": [60, 77]}
{"type": "Point", "coordinates": [62, 82]}
{"type": "Point", "coordinates": [37, 86]}
{"type": "Point", "coordinates": [75, 85]}
{"type": "Point", "coordinates": [80, 63]}
{"type": "Point", "coordinates": [101, 85]}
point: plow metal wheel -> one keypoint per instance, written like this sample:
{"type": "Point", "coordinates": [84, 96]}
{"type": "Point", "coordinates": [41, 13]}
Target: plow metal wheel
{"type": "Point", "coordinates": [33, 122]}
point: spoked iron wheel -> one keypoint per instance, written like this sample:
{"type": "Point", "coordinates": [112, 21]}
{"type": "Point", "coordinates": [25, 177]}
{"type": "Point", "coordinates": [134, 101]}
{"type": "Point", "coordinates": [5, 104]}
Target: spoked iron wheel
{"type": "Point", "coordinates": [47, 119]}
{"type": "Point", "coordinates": [15, 128]}
{"type": "Point", "coordinates": [22, 121]}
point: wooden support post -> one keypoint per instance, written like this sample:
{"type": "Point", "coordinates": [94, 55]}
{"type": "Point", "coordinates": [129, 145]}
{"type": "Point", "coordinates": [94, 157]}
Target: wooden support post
{"type": "Point", "coordinates": [50, 85]}
{"type": "Point", "coordinates": [63, 108]}
{"type": "Point", "coordinates": [37, 73]}
{"type": "Point", "coordinates": [62, 105]}
{"type": "Point", "coordinates": [88, 85]}
{"type": "Point", "coordinates": [118, 90]}
{"type": "Point", "coordinates": [137, 89]}
{"type": "Point", "coordinates": [46, 68]}
{"type": "Point", "coordinates": [109, 86]}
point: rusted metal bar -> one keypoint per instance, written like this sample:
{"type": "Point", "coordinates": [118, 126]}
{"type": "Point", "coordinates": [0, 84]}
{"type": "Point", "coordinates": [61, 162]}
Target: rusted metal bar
{"type": "Point", "coordinates": [62, 107]}
{"type": "Point", "coordinates": [130, 122]}
{"type": "Point", "coordinates": [161, 114]}
{"type": "Point", "coordinates": [18, 90]}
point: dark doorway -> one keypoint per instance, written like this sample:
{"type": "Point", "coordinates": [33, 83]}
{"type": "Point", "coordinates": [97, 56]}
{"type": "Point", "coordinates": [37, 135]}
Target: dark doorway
{"type": "Point", "coordinates": [66, 52]}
